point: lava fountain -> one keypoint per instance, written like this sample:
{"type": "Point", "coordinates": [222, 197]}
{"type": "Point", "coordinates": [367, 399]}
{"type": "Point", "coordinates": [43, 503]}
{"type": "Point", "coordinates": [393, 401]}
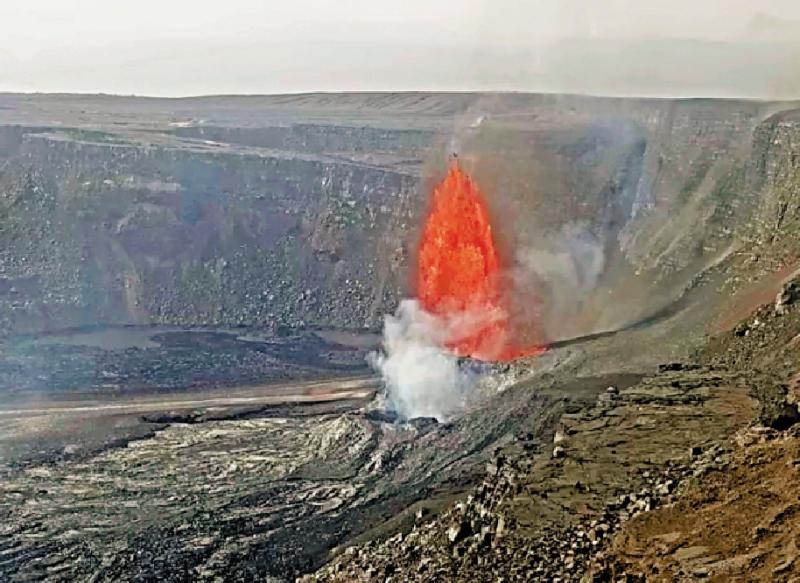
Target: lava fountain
{"type": "Point", "coordinates": [459, 273]}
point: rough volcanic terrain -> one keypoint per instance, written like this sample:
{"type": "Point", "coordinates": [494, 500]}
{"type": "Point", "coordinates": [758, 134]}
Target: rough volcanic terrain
{"type": "Point", "coordinates": [188, 289]}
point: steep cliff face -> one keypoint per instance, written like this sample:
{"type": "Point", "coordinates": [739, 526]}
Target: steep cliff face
{"type": "Point", "coordinates": [304, 211]}
{"type": "Point", "coordinates": [727, 182]}
{"type": "Point", "coordinates": [775, 227]}
{"type": "Point", "coordinates": [122, 233]}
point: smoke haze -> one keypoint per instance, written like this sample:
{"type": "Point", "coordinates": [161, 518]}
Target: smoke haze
{"type": "Point", "coordinates": [728, 48]}
{"type": "Point", "coordinates": [563, 271]}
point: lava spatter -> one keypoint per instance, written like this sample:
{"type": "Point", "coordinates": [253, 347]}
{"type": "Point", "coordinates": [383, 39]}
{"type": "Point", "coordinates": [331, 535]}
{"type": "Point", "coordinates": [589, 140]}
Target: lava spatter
{"type": "Point", "coordinates": [459, 272]}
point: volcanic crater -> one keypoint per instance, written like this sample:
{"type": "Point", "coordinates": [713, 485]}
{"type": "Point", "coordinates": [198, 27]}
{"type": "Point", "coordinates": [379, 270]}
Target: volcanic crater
{"type": "Point", "coordinates": [190, 289]}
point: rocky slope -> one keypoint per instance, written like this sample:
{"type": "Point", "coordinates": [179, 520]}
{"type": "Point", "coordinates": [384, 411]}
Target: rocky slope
{"type": "Point", "coordinates": [674, 478]}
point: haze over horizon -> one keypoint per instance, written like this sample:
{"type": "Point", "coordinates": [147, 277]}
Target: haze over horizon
{"type": "Point", "coordinates": [719, 48]}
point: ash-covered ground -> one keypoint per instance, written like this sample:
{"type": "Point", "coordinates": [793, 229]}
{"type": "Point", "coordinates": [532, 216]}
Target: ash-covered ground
{"type": "Point", "coordinates": [189, 288]}
{"type": "Point", "coordinates": [73, 392]}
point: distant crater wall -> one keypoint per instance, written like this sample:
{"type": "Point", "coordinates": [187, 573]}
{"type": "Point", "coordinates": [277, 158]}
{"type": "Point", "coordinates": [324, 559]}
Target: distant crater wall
{"type": "Point", "coordinates": [99, 233]}
{"type": "Point", "coordinates": [307, 223]}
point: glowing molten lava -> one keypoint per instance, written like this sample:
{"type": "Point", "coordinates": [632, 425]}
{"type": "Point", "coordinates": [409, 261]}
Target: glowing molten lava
{"type": "Point", "coordinates": [459, 272]}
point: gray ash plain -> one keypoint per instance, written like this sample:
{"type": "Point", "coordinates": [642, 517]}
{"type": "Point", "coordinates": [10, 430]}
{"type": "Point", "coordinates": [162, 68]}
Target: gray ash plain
{"type": "Point", "coordinates": [79, 391]}
{"type": "Point", "coordinates": [126, 360]}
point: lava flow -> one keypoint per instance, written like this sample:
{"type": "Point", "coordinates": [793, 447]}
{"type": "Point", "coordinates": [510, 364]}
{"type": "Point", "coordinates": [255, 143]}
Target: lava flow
{"type": "Point", "coordinates": [459, 272]}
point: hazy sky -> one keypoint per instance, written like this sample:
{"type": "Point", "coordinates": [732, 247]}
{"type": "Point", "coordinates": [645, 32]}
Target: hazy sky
{"type": "Point", "coordinates": [185, 47]}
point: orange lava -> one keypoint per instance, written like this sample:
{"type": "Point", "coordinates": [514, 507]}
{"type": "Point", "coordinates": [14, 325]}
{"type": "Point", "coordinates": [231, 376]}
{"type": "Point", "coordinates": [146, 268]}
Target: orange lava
{"type": "Point", "coordinates": [459, 272]}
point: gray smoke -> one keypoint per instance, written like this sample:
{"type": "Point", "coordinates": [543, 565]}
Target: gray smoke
{"type": "Point", "coordinates": [564, 270]}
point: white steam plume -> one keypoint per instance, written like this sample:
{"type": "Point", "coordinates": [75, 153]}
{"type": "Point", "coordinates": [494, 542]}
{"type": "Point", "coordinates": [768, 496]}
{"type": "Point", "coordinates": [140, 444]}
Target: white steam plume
{"type": "Point", "coordinates": [422, 378]}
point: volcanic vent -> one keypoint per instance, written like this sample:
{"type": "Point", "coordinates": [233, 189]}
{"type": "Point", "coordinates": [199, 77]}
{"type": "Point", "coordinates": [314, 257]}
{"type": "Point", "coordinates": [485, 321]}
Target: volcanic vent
{"type": "Point", "coordinates": [462, 309]}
